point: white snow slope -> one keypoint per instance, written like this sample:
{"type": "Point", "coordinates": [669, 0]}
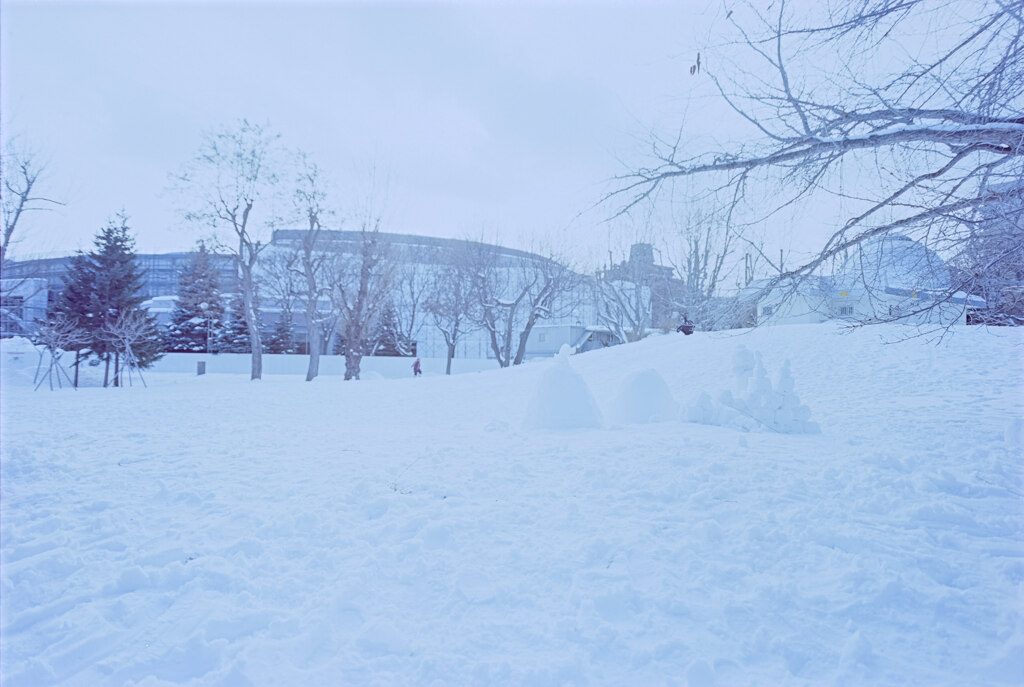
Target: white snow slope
{"type": "Point", "coordinates": [214, 531]}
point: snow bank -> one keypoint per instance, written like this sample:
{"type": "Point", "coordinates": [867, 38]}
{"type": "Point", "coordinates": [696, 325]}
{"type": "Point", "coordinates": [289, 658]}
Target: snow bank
{"type": "Point", "coordinates": [561, 399]}
{"type": "Point", "coordinates": [19, 361]}
{"type": "Point", "coordinates": [24, 364]}
{"type": "Point", "coordinates": [644, 397]}
{"type": "Point", "coordinates": [754, 402]}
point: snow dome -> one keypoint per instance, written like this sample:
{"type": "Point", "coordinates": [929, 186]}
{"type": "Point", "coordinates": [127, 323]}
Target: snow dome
{"type": "Point", "coordinates": [894, 262]}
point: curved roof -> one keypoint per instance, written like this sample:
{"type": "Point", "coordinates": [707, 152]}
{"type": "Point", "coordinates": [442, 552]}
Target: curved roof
{"type": "Point", "coordinates": [408, 246]}
{"type": "Point", "coordinates": [894, 261]}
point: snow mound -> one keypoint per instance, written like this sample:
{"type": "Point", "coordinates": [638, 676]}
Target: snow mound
{"type": "Point", "coordinates": [23, 364]}
{"type": "Point", "coordinates": [19, 361]}
{"type": "Point", "coordinates": [644, 397]}
{"type": "Point", "coordinates": [754, 402]}
{"type": "Point", "coordinates": [562, 399]}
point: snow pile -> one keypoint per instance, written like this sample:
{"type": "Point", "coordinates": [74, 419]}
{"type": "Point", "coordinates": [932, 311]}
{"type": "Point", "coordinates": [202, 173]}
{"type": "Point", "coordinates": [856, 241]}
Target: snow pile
{"type": "Point", "coordinates": [562, 399]}
{"type": "Point", "coordinates": [24, 364]}
{"type": "Point", "coordinates": [644, 397]}
{"type": "Point", "coordinates": [19, 362]}
{"type": "Point", "coordinates": [753, 402]}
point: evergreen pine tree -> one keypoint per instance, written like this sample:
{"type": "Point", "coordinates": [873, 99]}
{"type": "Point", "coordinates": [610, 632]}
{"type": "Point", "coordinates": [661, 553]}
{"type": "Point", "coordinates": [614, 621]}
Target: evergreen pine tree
{"type": "Point", "coordinates": [387, 338]}
{"type": "Point", "coordinates": [282, 339]}
{"type": "Point", "coordinates": [234, 332]}
{"type": "Point", "coordinates": [75, 303]}
{"type": "Point", "coordinates": [103, 285]}
{"type": "Point", "coordinates": [199, 310]}
{"type": "Point", "coordinates": [339, 346]}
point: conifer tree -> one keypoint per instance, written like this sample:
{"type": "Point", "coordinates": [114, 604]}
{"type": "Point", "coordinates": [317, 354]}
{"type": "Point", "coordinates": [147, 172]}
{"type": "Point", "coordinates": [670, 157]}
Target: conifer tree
{"type": "Point", "coordinates": [387, 338]}
{"type": "Point", "coordinates": [282, 338]}
{"type": "Point", "coordinates": [234, 332]}
{"type": "Point", "coordinates": [197, 315]}
{"type": "Point", "coordinates": [100, 288]}
{"type": "Point", "coordinates": [75, 304]}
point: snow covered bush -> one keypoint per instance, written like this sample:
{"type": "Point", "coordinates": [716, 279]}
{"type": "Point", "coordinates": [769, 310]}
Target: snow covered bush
{"type": "Point", "coordinates": [644, 397]}
{"type": "Point", "coordinates": [562, 399]}
{"type": "Point", "coordinates": [754, 402]}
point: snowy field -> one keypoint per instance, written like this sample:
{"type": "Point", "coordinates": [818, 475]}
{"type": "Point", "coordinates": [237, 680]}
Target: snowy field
{"type": "Point", "coordinates": [214, 531]}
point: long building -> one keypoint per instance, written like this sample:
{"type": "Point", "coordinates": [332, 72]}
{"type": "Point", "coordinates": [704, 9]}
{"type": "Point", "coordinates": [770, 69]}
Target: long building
{"type": "Point", "coordinates": [161, 272]}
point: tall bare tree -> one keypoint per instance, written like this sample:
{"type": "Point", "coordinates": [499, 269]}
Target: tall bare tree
{"type": "Point", "coordinates": [21, 172]}
{"type": "Point", "coordinates": [451, 301]}
{"type": "Point", "coordinates": [362, 283]}
{"type": "Point", "coordinates": [513, 293]}
{"type": "Point", "coordinates": [915, 137]}
{"type": "Point", "coordinates": [705, 250]}
{"type": "Point", "coordinates": [414, 280]}
{"type": "Point", "coordinates": [313, 259]}
{"type": "Point", "coordinates": [279, 280]}
{"type": "Point", "coordinates": [624, 306]}
{"type": "Point", "coordinates": [228, 187]}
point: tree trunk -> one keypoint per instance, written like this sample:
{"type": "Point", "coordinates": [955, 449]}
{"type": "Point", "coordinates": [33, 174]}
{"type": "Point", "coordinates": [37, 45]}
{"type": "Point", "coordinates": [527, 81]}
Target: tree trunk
{"type": "Point", "coordinates": [252, 322]}
{"type": "Point", "coordinates": [315, 339]}
{"type": "Point", "coordinates": [78, 358]}
{"type": "Point", "coordinates": [352, 361]}
{"type": "Point", "coordinates": [117, 368]}
{"type": "Point", "coordinates": [106, 370]}
{"type": "Point", "coordinates": [523, 337]}
{"type": "Point", "coordinates": [257, 353]}
{"type": "Point", "coordinates": [448, 363]}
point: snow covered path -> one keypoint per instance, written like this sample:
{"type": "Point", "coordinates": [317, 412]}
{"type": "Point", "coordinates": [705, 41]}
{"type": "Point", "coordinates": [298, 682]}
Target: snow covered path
{"type": "Point", "coordinates": [215, 531]}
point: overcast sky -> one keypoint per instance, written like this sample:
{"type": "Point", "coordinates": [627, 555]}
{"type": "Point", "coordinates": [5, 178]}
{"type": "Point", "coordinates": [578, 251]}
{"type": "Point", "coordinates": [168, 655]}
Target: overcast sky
{"type": "Point", "coordinates": [476, 119]}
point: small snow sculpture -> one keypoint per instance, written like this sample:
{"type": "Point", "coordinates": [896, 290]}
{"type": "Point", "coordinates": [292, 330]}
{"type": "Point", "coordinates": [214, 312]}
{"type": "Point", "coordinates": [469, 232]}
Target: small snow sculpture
{"type": "Point", "coordinates": [644, 397]}
{"type": "Point", "coordinates": [754, 402]}
{"type": "Point", "coordinates": [562, 399]}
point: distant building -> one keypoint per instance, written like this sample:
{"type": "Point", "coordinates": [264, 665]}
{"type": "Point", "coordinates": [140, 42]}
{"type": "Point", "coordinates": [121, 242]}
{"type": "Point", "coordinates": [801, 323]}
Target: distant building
{"type": "Point", "coordinates": [547, 339]}
{"type": "Point", "coordinates": [22, 302]}
{"type": "Point", "coordinates": [888, 277]}
{"type": "Point", "coordinates": [161, 274]}
{"type": "Point", "coordinates": [641, 270]}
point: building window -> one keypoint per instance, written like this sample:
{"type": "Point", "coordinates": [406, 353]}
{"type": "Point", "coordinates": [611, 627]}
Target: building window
{"type": "Point", "coordinates": [542, 337]}
{"type": "Point", "coordinates": [767, 310]}
{"type": "Point", "coordinates": [11, 314]}
{"type": "Point", "coordinates": [845, 310]}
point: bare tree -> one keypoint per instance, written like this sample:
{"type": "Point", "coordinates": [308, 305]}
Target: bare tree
{"type": "Point", "coordinates": [513, 293]}
{"type": "Point", "coordinates": [704, 249]}
{"type": "Point", "coordinates": [622, 305]}
{"type": "Point", "coordinates": [992, 265]}
{"type": "Point", "coordinates": [57, 335]}
{"type": "Point", "coordinates": [279, 279]}
{"type": "Point", "coordinates": [232, 175]}
{"type": "Point", "coordinates": [362, 283]}
{"type": "Point", "coordinates": [130, 333]}
{"type": "Point", "coordinates": [313, 260]}
{"type": "Point", "coordinates": [21, 172]}
{"type": "Point", "coordinates": [414, 279]}
{"type": "Point", "coordinates": [937, 125]}
{"type": "Point", "coordinates": [451, 302]}
{"type": "Point", "coordinates": [553, 294]}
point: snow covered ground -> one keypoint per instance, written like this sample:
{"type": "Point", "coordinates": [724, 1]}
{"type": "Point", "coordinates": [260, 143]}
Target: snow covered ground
{"type": "Point", "coordinates": [213, 531]}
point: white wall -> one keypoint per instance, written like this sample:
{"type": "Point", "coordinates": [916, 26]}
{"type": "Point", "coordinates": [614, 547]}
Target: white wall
{"type": "Point", "coordinates": [796, 309]}
{"type": "Point", "coordinates": [274, 364]}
